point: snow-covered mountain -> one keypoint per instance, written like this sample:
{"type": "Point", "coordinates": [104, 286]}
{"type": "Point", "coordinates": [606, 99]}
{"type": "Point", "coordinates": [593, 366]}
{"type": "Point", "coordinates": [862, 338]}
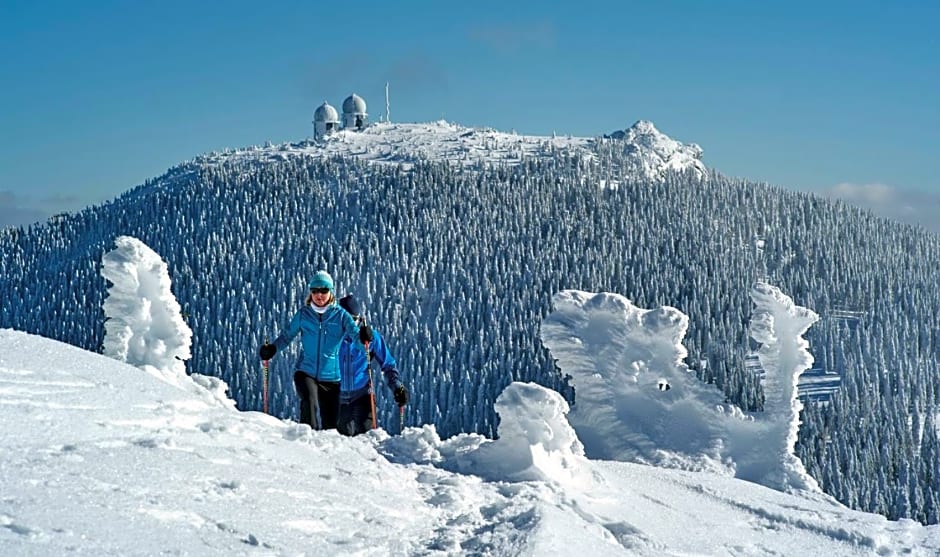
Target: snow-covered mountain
{"type": "Point", "coordinates": [457, 239]}
{"type": "Point", "coordinates": [649, 153]}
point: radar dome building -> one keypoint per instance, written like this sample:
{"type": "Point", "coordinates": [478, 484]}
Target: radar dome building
{"type": "Point", "coordinates": [354, 112]}
{"type": "Point", "coordinates": [325, 121]}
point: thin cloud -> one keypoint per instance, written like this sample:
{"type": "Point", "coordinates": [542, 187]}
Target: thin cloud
{"type": "Point", "coordinates": [909, 206]}
{"type": "Point", "coordinates": [15, 212]}
{"type": "Point", "coordinates": [417, 69]}
{"type": "Point", "coordinates": [18, 210]}
{"type": "Point", "coordinates": [868, 193]}
{"type": "Point", "coordinates": [59, 203]}
{"type": "Point", "coordinates": [513, 38]}
{"type": "Point", "coordinates": [317, 80]}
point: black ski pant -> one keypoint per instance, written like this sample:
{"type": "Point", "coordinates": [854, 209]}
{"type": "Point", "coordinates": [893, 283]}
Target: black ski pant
{"type": "Point", "coordinates": [355, 417]}
{"type": "Point", "coordinates": [317, 397]}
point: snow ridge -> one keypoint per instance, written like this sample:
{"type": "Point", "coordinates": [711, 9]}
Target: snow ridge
{"type": "Point", "coordinates": [652, 154]}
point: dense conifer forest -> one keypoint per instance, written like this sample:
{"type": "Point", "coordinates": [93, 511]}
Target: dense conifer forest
{"type": "Point", "coordinates": [456, 266]}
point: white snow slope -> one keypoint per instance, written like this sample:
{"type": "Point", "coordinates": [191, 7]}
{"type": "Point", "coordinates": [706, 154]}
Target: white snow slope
{"type": "Point", "coordinates": [101, 458]}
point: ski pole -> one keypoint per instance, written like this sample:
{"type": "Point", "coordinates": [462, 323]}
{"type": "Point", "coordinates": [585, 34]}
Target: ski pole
{"type": "Point", "coordinates": [401, 419]}
{"type": "Point", "coordinates": [265, 365]}
{"type": "Point", "coordinates": [375, 423]}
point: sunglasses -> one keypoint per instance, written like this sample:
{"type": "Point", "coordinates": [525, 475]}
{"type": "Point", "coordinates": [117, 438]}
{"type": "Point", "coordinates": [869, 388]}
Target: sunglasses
{"type": "Point", "coordinates": [319, 290]}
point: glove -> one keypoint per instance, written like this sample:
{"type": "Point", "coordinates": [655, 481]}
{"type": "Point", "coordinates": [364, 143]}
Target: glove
{"type": "Point", "coordinates": [267, 351]}
{"type": "Point", "coordinates": [401, 395]}
{"type": "Point", "coordinates": [365, 334]}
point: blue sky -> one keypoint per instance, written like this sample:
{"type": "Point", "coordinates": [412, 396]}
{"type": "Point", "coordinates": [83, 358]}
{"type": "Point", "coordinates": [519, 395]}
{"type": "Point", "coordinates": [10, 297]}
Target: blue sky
{"type": "Point", "coordinates": [99, 96]}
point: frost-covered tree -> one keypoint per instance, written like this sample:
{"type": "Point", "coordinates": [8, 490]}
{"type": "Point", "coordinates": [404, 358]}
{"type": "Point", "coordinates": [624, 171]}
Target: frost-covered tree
{"type": "Point", "coordinates": [143, 325]}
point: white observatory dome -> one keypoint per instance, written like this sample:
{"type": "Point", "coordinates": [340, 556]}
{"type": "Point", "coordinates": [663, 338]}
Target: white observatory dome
{"type": "Point", "coordinates": [326, 113]}
{"type": "Point", "coordinates": [325, 121]}
{"type": "Point", "coordinates": [354, 105]}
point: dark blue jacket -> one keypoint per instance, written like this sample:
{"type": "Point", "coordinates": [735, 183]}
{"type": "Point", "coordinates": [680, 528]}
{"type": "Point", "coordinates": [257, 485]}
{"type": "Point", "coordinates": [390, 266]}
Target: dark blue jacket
{"type": "Point", "coordinates": [321, 336]}
{"type": "Point", "coordinates": [354, 367]}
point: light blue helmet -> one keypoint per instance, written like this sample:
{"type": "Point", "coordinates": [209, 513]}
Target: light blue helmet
{"type": "Point", "coordinates": [321, 280]}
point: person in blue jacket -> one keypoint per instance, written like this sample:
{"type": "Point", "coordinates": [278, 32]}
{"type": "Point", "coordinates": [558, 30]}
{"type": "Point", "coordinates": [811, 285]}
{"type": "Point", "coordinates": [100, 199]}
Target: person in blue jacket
{"type": "Point", "coordinates": [355, 410]}
{"type": "Point", "coordinates": [323, 326]}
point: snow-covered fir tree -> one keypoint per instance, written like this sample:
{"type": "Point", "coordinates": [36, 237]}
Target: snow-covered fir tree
{"type": "Point", "coordinates": [143, 325]}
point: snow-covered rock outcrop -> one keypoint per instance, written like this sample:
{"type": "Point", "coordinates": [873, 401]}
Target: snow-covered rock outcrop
{"type": "Point", "coordinates": [652, 153]}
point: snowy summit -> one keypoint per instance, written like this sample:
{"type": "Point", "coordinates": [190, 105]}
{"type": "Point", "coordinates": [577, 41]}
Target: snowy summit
{"type": "Point", "coordinates": [650, 153]}
{"type": "Point", "coordinates": [104, 458]}
{"type": "Point", "coordinates": [653, 153]}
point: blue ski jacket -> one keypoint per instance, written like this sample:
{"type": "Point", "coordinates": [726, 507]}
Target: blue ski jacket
{"type": "Point", "coordinates": [355, 371]}
{"type": "Point", "coordinates": [321, 336]}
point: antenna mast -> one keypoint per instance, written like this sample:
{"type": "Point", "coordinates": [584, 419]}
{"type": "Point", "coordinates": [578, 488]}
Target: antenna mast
{"type": "Point", "coordinates": [388, 117]}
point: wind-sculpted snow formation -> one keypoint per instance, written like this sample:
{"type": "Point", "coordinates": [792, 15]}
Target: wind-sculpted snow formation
{"type": "Point", "coordinates": [779, 325]}
{"type": "Point", "coordinates": [144, 326]}
{"type": "Point", "coordinates": [536, 442]}
{"type": "Point", "coordinates": [637, 401]}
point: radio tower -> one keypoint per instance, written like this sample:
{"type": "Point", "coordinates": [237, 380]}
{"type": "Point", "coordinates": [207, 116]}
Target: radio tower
{"type": "Point", "coordinates": [388, 117]}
